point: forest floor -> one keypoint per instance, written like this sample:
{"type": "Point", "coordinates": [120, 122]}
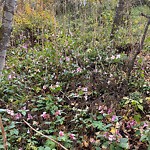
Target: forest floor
{"type": "Point", "coordinates": [71, 84]}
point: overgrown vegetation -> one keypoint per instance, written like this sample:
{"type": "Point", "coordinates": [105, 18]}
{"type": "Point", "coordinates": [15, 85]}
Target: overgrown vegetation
{"type": "Point", "coordinates": [69, 80]}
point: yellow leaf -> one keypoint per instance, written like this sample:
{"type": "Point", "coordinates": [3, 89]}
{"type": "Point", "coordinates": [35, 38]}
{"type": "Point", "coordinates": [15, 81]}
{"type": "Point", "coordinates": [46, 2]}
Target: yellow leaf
{"type": "Point", "coordinates": [85, 143]}
{"type": "Point", "coordinates": [125, 117]}
{"type": "Point", "coordinates": [19, 139]}
{"type": "Point", "coordinates": [28, 9]}
{"type": "Point", "coordinates": [113, 130]}
{"type": "Point", "coordinates": [147, 98]}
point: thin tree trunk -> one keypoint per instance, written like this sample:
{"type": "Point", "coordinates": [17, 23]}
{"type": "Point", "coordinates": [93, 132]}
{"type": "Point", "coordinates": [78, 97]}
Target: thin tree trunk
{"type": "Point", "coordinates": [137, 49]}
{"type": "Point", "coordinates": [5, 30]}
{"type": "Point", "coordinates": [118, 18]}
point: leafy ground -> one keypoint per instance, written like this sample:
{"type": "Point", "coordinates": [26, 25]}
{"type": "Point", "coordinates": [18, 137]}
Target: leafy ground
{"type": "Point", "coordinates": [69, 83]}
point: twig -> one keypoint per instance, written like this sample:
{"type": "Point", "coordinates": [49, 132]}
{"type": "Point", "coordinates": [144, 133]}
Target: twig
{"type": "Point", "coordinates": [146, 16]}
{"type": "Point", "coordinates": [3, 134]}
{"type": "Point", "coordinates": [45, 135]}
{"type": "Point", "coordinates": [65, 95]}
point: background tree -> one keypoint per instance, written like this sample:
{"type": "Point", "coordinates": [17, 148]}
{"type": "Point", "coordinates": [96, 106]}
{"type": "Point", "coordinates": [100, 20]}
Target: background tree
{"type": "Point", "coordinates": [5, 30]}
{"type": "Point", "coordinates": [121, 10]}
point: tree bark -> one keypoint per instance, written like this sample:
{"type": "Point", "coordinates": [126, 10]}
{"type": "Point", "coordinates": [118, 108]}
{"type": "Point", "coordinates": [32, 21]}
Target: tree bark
{"type": "Point", "coordinates": [137, 49]}
{"type": "Point", "coordinates": [5, 30]}
{"type": "Point", "coordinates": [118, 18]}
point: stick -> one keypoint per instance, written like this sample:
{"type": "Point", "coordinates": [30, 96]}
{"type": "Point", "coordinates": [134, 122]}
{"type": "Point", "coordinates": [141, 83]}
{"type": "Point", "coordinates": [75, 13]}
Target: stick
{"type": "Point", "coordinates": [146, 16]}
{"type": "Point", "coordinates": [45, 136]}
{"type": "Point", "coordinates": [3, 134]}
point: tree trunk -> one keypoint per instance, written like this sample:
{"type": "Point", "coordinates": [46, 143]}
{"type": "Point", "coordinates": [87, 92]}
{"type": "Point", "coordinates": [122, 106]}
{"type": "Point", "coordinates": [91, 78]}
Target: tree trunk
{"type": "Point", "coordinates": [118, 18]}
{"type": "Point", "coordinates": [5, 30]}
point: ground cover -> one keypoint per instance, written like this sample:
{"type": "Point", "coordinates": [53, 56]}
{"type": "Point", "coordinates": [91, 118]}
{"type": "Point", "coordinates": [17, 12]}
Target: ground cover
{"type": "Point", "coordinates": [68, 82]}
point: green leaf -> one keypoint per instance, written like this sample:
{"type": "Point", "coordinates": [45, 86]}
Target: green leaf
{"type": "Point", "coordinates": [134, 102]}
{"type": "Point", "coordinates": [98, 124]}
{"type": "Point", "coordinates": [38, 89]}
{"type": "Point", "coordinates": [137, 117]}
{"type": "Point", "coordinates": [112, 147]}
{"type": "Point", "coordinates": [3, 110]}
{"type": "Point", "coordinates": [141, 100]}
{"type": "Point", "coordinates": [1, 147]}
{"type": "Point", "coordinates": [124, 143]}
{"type": "Point", "coordinates": [23, 112]}
{"type": "Point", "coordinates": [109, 125]}
{"type": "Point", "coordinates": [15, 131]}
{"type": "Point", "coordinates": [63, 138]}
{"type": "Point", "coordinates": [127, 102]}
{"type": "Point", "coordinates": [41, 148]}
{"type": "Point", "coordinates": [50, 144]}
{"type": "Point", "coordinates": [12, 125]}
{"type": "Point", "coordinates": [138, 133]}
{"type": "Point", "coordinates": [47, 148]}
{"type": "Point", "coordinates": [149, 147]}
{"type": "Point", "coordinates": [81, 92]}
{"type": "Point", "coordinates": [143, 137]}
{"type": "Point", "coordinates": [99, 117]}
{"type": "Point", "coordinates": [105, 145]}
{"type": "Point", "coordinates": [142, 75]}
{"type": "Point", "coordinates": [98, 148]}
{"type": "Point", "coordinates": [5, 119]}
{"type": "Point", "coordinates": [140, 107]}
{"type": "Point", "coordinates": [125, 98]}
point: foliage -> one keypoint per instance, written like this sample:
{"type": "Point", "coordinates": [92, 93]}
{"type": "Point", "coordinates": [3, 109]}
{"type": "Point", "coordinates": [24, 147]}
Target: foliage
{"type": "Point", "coordinates": [70, 83]}
{"type": "Point", "coordinates": [33, 23]}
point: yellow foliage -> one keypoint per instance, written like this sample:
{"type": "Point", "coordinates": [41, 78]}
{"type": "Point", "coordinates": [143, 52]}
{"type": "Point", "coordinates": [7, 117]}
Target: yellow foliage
{"type": "Point", "coordinates": [113, 130]}
{"type": "Point", "coordinates": [34, 13]}
{"type": "Point", "coordinates": [28, 9]}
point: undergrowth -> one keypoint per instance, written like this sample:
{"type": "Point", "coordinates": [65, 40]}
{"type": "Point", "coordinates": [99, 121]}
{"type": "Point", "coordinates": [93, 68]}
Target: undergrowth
{"type": "Point", "coordinates": [67, 80]}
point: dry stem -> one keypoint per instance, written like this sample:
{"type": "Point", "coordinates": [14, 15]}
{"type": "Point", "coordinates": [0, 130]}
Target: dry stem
{"type": "Point", "coordinates": [45, 136]}
{"type": "Point", "coordinates": [3, 134]}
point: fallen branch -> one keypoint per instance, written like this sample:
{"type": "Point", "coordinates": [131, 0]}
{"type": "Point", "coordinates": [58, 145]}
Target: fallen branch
{"type": "Point", "coordinates": [3, 134]}
{"type": "Point", "coordinates": [45, 135]}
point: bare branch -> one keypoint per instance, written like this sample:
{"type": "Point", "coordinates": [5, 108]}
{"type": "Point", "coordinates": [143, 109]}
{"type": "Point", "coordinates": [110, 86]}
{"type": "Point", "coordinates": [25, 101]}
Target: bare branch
{"type": "Point", "coordinates": [3, 134]}
{"type": "Point", "coordinates": [45, 136]}
{"type": "Point", "coordinates": [146, 16]}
